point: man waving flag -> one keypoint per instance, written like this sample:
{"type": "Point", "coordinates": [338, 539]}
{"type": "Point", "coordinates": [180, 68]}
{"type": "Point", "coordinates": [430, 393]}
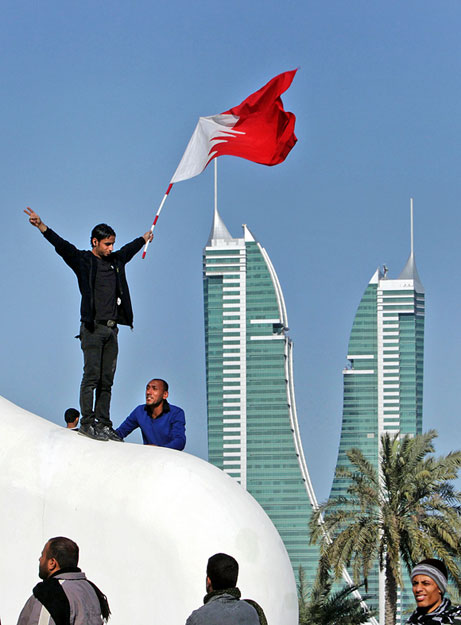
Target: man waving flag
{"type": "Point", "coordinates": [259, 129]}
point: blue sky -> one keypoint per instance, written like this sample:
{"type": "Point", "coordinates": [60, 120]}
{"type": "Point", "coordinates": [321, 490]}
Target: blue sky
{"type": "Point", "coordinates": [99, 100]}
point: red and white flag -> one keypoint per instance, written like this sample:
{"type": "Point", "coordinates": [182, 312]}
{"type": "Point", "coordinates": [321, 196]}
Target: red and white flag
{"type": "Point", "coordinates": [258, 129]}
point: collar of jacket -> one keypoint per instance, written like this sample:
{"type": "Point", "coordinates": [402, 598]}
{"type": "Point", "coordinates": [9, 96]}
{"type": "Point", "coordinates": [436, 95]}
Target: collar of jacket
{"type": "Point", "coordinates": [420, 615]}
{"type": "Point", "coordinates": [234, 592]}
{"type": "Point", "coordinates": [166, 408]}
{"type": "Point", "coordinates": [67, 569]}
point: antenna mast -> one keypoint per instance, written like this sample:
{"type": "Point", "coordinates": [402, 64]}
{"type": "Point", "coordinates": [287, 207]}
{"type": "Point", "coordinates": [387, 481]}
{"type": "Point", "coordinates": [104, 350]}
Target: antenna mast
{"type": "Point", "coordinates": [411, 225]}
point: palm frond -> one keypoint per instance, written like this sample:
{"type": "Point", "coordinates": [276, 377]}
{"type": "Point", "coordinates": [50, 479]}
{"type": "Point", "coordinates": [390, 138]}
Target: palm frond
{"type": "Point", "coordinates": [407, 511]}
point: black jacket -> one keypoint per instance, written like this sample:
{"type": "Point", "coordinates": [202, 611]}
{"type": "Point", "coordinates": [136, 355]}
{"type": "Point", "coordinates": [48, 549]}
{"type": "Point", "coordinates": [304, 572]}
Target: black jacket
{"type": "Point", "coordinates": [84, 264]}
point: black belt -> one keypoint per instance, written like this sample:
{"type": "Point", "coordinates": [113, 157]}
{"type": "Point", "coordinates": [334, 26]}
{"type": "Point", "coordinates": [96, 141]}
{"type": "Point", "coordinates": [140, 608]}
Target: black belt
{"type": "Point", "coordinates": [110, 323]}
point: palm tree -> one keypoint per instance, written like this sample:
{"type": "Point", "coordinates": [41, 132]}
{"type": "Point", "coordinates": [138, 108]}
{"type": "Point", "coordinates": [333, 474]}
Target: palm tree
{"type": "Point", "coordinates": [303, 599]}
{"type": "Point", "coordinates": [407, 511]}
{"type": "Point", "coordinates": [323, 608]}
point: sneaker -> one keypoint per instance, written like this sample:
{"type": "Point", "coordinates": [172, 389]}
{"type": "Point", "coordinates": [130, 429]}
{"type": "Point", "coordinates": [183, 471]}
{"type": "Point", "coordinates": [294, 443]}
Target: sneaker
{"type": "Point", "coordinates": [88, 429]}
{"type": "Point", "coordinates": [109, 431]}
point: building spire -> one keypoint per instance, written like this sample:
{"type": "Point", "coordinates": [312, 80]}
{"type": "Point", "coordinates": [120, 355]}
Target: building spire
{"type": "Point", "coordinates": [218, 229]}
{"type": "Point", "coordinates": [247, 234]}
{"type": "Point", "coordinates": [411, 227]}
{"type": "Point", "coordinates": [409, 272]}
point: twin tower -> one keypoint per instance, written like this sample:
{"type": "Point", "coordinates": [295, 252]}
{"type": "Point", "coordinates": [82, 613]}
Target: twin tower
{"type": "Point", "coordinates": [253, 432]}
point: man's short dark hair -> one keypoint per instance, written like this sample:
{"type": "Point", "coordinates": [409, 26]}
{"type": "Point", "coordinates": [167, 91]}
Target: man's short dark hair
{"type": "Point", "coordinates": [100, 232]}
{"type": "Point", "coordinates": [64, 551]}
{"type": "Point", "coordinates": [165, 384]}
{"type": "Point", "coordinates": [71, 415]}
{"type": "Point", "coordinates": [223, 571]}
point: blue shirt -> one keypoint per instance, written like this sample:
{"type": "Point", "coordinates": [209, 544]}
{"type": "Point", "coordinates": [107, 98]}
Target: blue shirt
{"type": "Point", "coordinates": [167, 430]}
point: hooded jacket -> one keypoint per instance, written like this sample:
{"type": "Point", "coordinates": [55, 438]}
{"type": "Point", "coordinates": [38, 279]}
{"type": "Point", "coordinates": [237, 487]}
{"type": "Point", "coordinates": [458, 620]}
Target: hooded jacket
{"type": "Point", "coordinates": [84, 264]}
{"type": "Point", "coordinates": [65, 598]}
{"type": "Point", "coordinates": [226, 608]}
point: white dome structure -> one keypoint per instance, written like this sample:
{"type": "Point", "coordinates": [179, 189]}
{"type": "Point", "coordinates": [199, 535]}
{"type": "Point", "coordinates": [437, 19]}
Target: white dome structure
{"type": "Point", "coordinates": [146, 520]}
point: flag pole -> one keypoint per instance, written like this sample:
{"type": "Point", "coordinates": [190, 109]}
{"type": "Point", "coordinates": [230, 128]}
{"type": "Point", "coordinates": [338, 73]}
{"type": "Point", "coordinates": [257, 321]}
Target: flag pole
{"type": "Point", "coordinates": [215, 185]}
{"type": "Point", "coordinates": [156, 217]}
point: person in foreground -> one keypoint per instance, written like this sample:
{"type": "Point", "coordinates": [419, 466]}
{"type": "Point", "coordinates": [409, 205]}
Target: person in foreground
{"type": "Point", "coordinates": [429, 581]}
{"type": "Point", "coordinates": [105, 304]}
{"type": "Point", "coordinates": [222, 603]}
{"type": "Point", "coordinates": [65, 596]}
{"type": "Point", "coordinates": [161, 423]}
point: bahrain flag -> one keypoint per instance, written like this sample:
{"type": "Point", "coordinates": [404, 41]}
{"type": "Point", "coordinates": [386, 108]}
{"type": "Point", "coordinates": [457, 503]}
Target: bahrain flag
{"type": "Point", "coordinates": [258, 129]}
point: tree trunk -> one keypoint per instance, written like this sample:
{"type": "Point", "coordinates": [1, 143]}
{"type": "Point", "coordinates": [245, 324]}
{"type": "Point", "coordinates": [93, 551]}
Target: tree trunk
{"type": "Point", "coordinates": [390, 609]}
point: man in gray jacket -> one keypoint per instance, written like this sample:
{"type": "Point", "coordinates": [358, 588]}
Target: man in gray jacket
{"type": "Point", "coordinates": [65, 596]}
{"type": "Point", "coordinates": [222, 602]}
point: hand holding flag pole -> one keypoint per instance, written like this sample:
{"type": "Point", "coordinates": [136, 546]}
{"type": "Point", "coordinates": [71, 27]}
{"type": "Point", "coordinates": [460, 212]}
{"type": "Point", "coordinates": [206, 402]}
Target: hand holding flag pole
{"type": "Point", "coordinates": [258, 129]}
{"type": "Point", "coordinates": [156, 218]}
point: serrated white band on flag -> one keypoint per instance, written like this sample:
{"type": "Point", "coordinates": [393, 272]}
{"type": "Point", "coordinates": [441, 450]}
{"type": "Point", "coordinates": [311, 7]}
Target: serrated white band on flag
{"type": "Point", "coordinates": [208, 132]}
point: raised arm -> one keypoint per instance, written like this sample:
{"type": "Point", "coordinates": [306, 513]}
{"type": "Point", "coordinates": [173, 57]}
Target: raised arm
{"type": "Point", "coordinates": [126, 253]}
{"type": "Point", "coordinates": [66, 250]}
{"type": "Point", "coordinates": [35, 220]}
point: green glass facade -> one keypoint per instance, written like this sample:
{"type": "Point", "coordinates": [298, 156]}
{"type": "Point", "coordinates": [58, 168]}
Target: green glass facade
{"type": "Point", "coordinates": [383, 382]}
{"type": "Point", "coordinates": [253, 431]}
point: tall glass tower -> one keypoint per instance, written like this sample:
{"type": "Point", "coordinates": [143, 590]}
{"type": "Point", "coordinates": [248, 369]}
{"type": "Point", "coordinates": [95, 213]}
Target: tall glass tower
{"type": "Point", "coordinates": [253, 432]}
{"type": "Point", "coordinates": [383, 381]}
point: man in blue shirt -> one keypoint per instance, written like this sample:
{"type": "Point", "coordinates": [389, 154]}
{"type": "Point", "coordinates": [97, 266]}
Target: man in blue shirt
{"type": "Point", "coordinates": [161, 423]}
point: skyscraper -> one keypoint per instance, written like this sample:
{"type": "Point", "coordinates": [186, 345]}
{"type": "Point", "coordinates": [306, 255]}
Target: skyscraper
{"type": "Point", "coordinates": [383, 382]}
{"type": "Point", "coordinates": [253, 432]}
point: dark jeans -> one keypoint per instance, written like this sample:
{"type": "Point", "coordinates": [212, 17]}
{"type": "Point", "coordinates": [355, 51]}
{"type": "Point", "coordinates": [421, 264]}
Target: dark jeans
{"type": "Point", "coordinates": [100, 350]}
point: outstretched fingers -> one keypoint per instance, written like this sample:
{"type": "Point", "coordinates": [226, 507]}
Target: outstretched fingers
{"type": "Point", "coordinates": [34, 219]}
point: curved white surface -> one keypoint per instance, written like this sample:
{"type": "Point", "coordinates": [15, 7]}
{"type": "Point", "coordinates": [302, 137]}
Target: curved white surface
{"type": "Point", "coordinates": [146, 520]}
